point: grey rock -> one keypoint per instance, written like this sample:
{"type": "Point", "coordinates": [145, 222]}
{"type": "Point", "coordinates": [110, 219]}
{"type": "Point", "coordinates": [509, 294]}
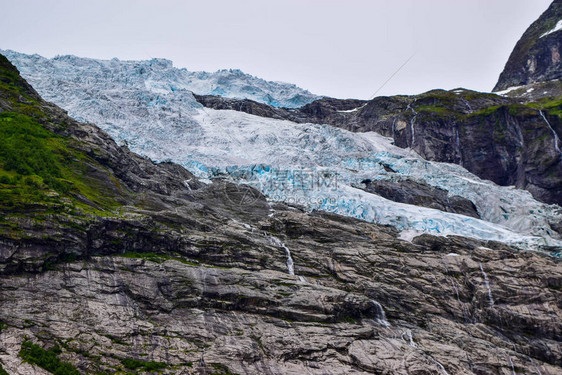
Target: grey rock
{"type": "Point", "coordinates": [420, 194]}
{"type": "Point", "coordinates": [536, 56]}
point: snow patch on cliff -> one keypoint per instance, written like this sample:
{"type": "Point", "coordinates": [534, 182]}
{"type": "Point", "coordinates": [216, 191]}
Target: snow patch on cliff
{"type": "Point", "coordinates": [556, 28]}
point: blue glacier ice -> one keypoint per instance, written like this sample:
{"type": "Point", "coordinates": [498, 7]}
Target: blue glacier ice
{"type": "Point", "coordinates": [160, 77]}
{"type": "Point", "coordinates": [149, 105]}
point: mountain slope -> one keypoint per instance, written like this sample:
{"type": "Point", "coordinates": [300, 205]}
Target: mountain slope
{"type": "Point", "coordinates": [536, 56]}
{"type": "Point", "coordinates": [177, 276]}
{"type": "Point", "coordinates": [266, 153]}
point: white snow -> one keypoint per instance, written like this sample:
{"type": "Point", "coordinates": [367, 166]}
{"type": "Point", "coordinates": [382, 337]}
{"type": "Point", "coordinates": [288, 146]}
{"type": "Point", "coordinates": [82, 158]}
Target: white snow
{"type": "Point", "coordinates": [352, 110]}
{"type": "Point", "coordinates": [554, 29]}
{"type": "Point", "coordinates": [508, 90]}
{"type": "Point", "coordinates": [317, 166]}
{"type": "Point", "coordinates": [159, 77]}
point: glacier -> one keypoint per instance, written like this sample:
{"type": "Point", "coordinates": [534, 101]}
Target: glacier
{"type": "Point", "coordinates": [149, 107]}
{"type": "Point", "coordinates": [159, 76]}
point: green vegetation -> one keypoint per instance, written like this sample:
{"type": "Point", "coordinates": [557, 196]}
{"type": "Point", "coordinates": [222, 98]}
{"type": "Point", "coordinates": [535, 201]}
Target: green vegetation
{"type": "Point", "coordinates": [453, 96]}
{"type": "Point", "coordinates": [47, 177]}
{"type": "Point", "coordinates": [441, 103]}
{"type": "Point", "coordinates": [2, 371]}
{"type": "Point", "coordinates": [34, 156]}
{"type": "Point", "coordinates": [42, 170]}
{"type": "Point", "coordinates": [38, 167]}
{"type": "Point", "coordinates": [436, 109]}
{"type": "Point", "coordinates": [552, 105]}
{"type": "Point", "coordinates": [487, 111]}
{"type": "Point", "coordinates": [10, 80]}
{"type": "Point", "coordinates": [135, 364]}
{"type": "Point", "coordinates": [438, 103]}
{"type": "Point", "coordinates": [16, 92]}
{"type": "Point", "coordinates": [46, 359]}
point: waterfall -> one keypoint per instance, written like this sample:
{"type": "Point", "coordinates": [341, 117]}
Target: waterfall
{"type": "Point", "coordinates": [410, 338]}
{"type": "Point", "coordinates": [487, 283]}
{"type": "Point", "coordinates": [556, 147]}
{"type": "Point", "coordinates": [467, 105]}
{"type": "Point", "coordinates": [186, 183]}
{"type": "Point", "coordinates": [290, 264]}
{"type": "Point", "coordinates": [456, 291]}
{"type": "Point", "coordinates": [441, 367]}
{"type": "Point", "coordinates": [381, 315]}
{"type": "Point", "coordinates": [511, 364]}
{"type": "Point", "coordinates": [458, 145]}
{"type": "Point", "coordinates": [413, 131]}
{"type": "Point", "coordinates": [412, 122]}
{"type": "Point", "coordinates": [535, 365]}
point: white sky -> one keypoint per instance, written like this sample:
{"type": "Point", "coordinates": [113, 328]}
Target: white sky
{"type": "Point", "coordinates": [340, 48]}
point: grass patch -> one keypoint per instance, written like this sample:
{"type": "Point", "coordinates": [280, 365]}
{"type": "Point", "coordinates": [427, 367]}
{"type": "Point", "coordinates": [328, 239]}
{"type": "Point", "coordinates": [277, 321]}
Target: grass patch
{"type": "Point", "coordinates": [12, 83]}
{"type": "Point", "coordinates": [486, 111]}
{"type": "Point", "coordinates": [46, 359]}
{"type": "Point", "coordinates": [2, 371]}
{"type": "Point", "coordinates": [39, 168]}
{"type": "Point", "coordinates": [551, 106]}
{"type": "Point", "coordinates": [437, 109]}
{"type": "Point", "coordinates": [28, 149]}
{"type": "Point", "coordinates": [136, 364]}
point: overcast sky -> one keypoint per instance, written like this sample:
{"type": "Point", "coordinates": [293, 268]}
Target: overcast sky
{"type": "Point", "coordinates": [340, 48]}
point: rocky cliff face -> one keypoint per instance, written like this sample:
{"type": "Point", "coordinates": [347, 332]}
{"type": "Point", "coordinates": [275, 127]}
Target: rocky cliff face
{"type": "Point", "coordinates": [536, 56]}
{"type": "Point", "coordinates": [497, 138]}
{"type": "Point", "coordinates": [112, 263]}
{"type": "Point", "coordinates": [420, 194]}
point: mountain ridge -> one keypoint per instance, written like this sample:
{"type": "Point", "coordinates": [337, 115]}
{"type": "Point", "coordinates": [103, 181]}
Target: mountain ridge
{"type": "Point", "coordinates": [536, 56]}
